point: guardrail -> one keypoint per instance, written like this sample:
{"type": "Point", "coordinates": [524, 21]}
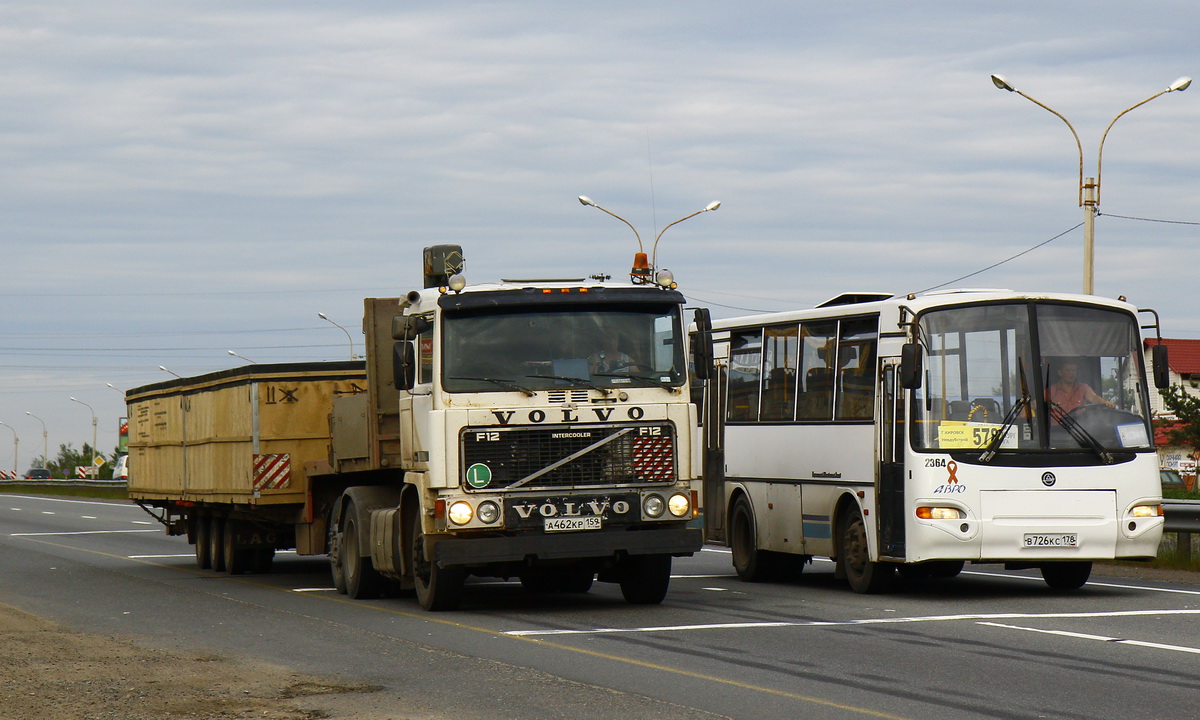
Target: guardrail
{"type": "Point", "coordinates": [1182, 518]}
{"type": "Point", "coordinates": [71, 482]}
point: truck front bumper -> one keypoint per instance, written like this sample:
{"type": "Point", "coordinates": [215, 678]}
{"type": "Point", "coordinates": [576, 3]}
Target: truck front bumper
{"type": "Point", "coordinates": [447, 552]}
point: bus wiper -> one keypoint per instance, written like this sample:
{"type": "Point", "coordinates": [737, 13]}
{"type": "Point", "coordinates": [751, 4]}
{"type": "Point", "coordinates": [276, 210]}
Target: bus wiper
{"type": "Point", "coordinates": [1079, 433]}
{"type": "Point", "coordinates": [502, 383]}
{"type": "Point", "coordinates": [580, 381]}
{"type": "Point", "coordinates": [993, 445]}
{"type": "Point", "coordinates": [644, 378]}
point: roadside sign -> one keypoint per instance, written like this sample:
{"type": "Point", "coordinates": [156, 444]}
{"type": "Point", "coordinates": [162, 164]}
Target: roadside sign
{"type": "Point", "coordinates": [99, 461]}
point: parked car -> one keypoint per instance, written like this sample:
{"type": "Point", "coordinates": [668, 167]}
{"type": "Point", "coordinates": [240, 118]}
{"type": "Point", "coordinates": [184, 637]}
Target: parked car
{"type": "Point", "coordinates": [37, 474]}
{"type": "Point", "coordinates": [1170, 479]}
{"type": "Point", "coordinates": [121, 468]}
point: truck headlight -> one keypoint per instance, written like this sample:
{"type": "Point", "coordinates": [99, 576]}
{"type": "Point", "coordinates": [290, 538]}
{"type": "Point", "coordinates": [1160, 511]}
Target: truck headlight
{"type": "Point", "coordinates": [460, 512]}
{"type": "Point", "coordinates": [489, 512]}
{"type": "Point", "coordinates": [679, 505]}
{"type": "Point", "coordinates": [653, 506]}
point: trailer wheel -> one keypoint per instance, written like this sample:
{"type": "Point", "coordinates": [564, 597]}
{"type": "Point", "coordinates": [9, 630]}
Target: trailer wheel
{"type": "Point", "coordinates": [216, 542]}
{"type": "Point", "coordinates": [237, 558]}
{"type": "Point", "coordinates": [263, 557]}
{"type": "Point", "coordinates": [644, 578]}
{"type": "Point", "coordinates": [438, 588]}
{"type": "Point", "coordinates": [363, 581]}
{"type": "Point", "coordinates": [203, 554]}
{"type": "Point", "coordinates": [1066, 575]}
{"type": "Point", "coordinates": [854, 557]}
{"type": "Point", "coordinates": [335, 554]}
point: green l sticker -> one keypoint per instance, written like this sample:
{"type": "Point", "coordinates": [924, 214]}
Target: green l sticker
{"type": "Point", "coordinates": [479, 475]}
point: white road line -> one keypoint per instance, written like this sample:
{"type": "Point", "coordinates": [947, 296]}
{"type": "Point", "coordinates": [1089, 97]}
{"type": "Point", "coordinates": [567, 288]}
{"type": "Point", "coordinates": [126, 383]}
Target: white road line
{"type": "Point", "coordinates": [1100, 638]}
{"type": "Point", "coordinates": [866, 621]}
{"type": "Point", "coordinates": [87, 517]}
{"type": "Point", "coordinates": [160, 557]}
{"type": "Point", "coordinates": [81, 532]}
{"type": "Point", "coordinates": [82, 502]}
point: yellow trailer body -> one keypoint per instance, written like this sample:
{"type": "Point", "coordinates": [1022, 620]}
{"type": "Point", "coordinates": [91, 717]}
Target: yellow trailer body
{"type": "Point", "coordinates": [239, 437]}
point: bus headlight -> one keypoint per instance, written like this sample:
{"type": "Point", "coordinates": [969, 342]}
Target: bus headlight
{"type": "Point", "coordinates": [940, 513]}
{"type": "Point", "coordinates": [654, 506]}
{"type": "Point", "coordinates": [460, 512]}
{"type": "Point", "coordinates": [1145, 511]}
{"type": "Point", "coordinates": [489, 512]}
{"type": "Point", "coordinates": [679, 505]}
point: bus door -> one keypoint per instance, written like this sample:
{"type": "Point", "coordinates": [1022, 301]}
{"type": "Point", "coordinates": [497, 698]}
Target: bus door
{"type": "Point", "coordinates": [713, 434]}
{"type": "Point", "coordinates": [890, 474]}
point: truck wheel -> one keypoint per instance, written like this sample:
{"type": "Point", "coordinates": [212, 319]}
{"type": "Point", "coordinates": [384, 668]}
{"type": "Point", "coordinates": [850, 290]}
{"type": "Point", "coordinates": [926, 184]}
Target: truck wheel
{"type": "Point", "coordinates": [263, 557]}
{"type": "Point", "coordinates": [237, 557]}
{"type": "Point", "coordinates": [335, 555]}
{"type": "Point", "coordinates": [576, 579]}
{"type": "Point", "coordinates": [644, 578]}
{"type": "Point", "coordinates": [203, 556]}
{"type": "Point", "coordinates": [216, 542]}
{"type": "Point", "coordinates": [438, 588]}
{"type": "Point", "coordinates": [1066, 575]}
{"type": "Point", "coordinates": [363, 581]}
{"type": "Point", "coordinates": [751, 564]}
{"type": "Point", "coordinates": [854, 557]}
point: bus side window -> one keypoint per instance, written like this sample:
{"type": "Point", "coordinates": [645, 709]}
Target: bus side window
{"type": "Point", "coordinates": [779, 365]}
{"type": "Point", "coordinates": [745, 367]}
{"type": "Point", "coordinates": [818, 345]}
{"type": "Point", "coordinates": [856, 363]}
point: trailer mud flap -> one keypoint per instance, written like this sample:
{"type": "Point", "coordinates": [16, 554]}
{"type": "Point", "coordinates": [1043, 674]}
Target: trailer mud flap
{"type": "Point", "coordinates": [387, 545]}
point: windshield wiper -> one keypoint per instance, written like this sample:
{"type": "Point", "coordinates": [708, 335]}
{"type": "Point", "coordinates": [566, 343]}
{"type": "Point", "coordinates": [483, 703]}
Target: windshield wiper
{"type": "Point", "coordinates": [1078, 432]}
{"type": "Point", "coordinates": [993, 445]}
{"type": "Point", "coordinates": [643, 378]}
{"type": "Point", "coordinates": [567, 378]}
{"type": "Point", "coordinates": [502, 383]}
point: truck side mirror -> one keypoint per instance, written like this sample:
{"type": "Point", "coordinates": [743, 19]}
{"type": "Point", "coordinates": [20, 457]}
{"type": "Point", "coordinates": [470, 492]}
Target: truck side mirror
{"type": "Point", "coordinates": [404, 365]}
{"type": "Point", "coordinates": [702, 345]}
{"type": "Point", "coordinates": [408, 327]}
{"type": "Point", "coordinates": [910, 366]}
{"type": "Point", "coordinates": [1162, 369]}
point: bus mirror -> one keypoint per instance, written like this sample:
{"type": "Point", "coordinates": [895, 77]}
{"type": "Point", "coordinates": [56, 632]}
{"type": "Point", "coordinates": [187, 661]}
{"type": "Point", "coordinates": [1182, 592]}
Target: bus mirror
{"type": "Point", "coordinates": [702, 345]}
{"type": "Point", "coordinates": [408, 327]}
{"type": "Point", "coordinates": [404, 366]}
{"type": "Point", "coordinates": [910, 366]}
{"type": "Point", "coordinates": [1162, 370]}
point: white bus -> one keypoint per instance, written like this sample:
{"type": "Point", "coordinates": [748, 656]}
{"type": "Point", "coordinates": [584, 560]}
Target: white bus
{"type": "Point", "coordinates": [915, 434]}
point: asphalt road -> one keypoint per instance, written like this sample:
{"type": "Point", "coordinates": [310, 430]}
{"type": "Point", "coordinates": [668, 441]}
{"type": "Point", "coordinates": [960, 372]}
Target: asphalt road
{"type": "Point", "coordinates": [988, 644]}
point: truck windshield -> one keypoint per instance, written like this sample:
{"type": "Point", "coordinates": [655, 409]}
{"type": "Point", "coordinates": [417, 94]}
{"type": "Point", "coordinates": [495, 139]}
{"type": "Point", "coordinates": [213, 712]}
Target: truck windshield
{"type": "Point", "coordinates": [556, 347]}
{"type": "Point", "coordinates": [1031, 376]}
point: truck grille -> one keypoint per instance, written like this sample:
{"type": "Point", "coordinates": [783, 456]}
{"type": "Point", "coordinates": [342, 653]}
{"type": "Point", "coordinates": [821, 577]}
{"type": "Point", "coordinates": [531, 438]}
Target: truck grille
{"type": "Point", "coordinates": [567, 457]}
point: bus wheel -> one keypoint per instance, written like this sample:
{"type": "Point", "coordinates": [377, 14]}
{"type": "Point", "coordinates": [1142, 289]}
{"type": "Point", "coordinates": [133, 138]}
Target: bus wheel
{"type": "Point", "coordinates": [203, 558]}
{"type": "Point", "coordinates": [644, 578]}
{"type": "Point", "coordinates": [1066, 575]}
{"type": "Point", "coordinates": [438, 588]}
{"type": "Point", "coordinates": [751, 564]}
{"type": "Point", "coordinates": [363, 581]}
{"type": "Point", "coordinates": [854, 556]}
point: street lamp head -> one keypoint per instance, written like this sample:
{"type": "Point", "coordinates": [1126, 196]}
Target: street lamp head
{"type": "Point", "coordinates": [1181, 84]}
{"type": "Point", "coordinates": [713, 205]}
{"type": "Point", "coordinates": [1002, 84]}
{"type": "Point", "coordinates": [322, 316]}
{"type": "Point", "coordinates": [585, 200]}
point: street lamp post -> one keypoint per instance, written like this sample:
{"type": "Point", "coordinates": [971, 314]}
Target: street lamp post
{"type": "Point", "coordinates": [1089, 188]}
{"type": "Point", "coordinates": [89, 407]}
{"type": "Point", "coordinates": [16, 446]}
{"type": "Point", "coordinates": [325, 317]}
{"type": "Point", "coordinates": [243, 357]}
{"type": "Point", "coordinates": [643, 268]}
{"type": "Point", "coordinates": [45, 439]}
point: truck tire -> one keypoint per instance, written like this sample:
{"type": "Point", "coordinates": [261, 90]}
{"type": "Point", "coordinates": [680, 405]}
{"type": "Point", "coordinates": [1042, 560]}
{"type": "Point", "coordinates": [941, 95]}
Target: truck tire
{"type": "Point", "coordinates": [203, 554]}
{"type": "Point", "coordinates": [238, 559]}
{"type": "Point", "coordinates": [216, 542]}
{"type": "Point", "coordinates": [644, 578]}
{"type": "Point", "coordinates": [335, 554]}
{"type": "Point", "coordinates": [437, 588]}
{"type": "Point", "coordinates": [363, 581]}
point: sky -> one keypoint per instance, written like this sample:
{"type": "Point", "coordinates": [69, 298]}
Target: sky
{"type": "Point", "coordinates": [178, 180]}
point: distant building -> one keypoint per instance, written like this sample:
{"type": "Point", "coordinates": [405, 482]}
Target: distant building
{"type": "Point", "coordinates": [1183, 357]}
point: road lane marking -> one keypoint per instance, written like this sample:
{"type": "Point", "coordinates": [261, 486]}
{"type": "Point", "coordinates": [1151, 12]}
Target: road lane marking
{"type": "Point", "coordinates": [80, 532]}
{"type": "Point", "coordinates": [1099, 638]}
{"type": "Point", "coordinates": [854, 623]}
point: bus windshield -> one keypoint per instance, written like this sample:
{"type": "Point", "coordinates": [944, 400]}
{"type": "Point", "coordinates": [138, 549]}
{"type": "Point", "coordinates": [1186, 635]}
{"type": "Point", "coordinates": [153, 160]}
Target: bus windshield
{"type": "Point", "coordinates": [557, 347]}
{"type": "Point", "coordinates": [1031, 376]}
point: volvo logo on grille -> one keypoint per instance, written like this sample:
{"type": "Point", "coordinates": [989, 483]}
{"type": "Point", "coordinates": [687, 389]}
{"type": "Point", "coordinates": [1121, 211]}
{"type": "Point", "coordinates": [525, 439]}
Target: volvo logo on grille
{"type": "Point", "coordinates": [1048, 479]}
